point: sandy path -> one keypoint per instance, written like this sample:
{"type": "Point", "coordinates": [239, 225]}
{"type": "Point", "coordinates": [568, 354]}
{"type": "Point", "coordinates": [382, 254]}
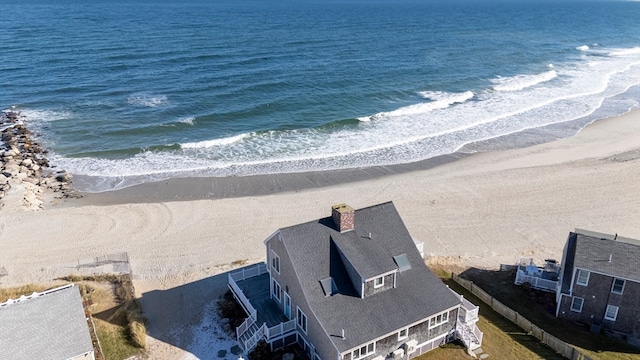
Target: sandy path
{"type": "Point", "coordinates": [480, 211]}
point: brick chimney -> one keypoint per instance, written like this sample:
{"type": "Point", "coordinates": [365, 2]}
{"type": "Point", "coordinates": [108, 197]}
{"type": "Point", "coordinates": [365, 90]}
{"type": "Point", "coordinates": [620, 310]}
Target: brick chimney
{"type": "Point", "coordinates": [343, 215]}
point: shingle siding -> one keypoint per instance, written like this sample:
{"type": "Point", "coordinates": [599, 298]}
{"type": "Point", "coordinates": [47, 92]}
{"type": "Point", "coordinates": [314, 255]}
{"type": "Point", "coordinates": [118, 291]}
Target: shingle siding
{"type": "Point", "coordinates": [370, 289]}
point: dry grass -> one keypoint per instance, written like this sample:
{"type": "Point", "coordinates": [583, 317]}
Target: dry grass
{"type": "Point", "coordinates": [119, 319]}
{"type": "Point", "coordinates": [16, 292]}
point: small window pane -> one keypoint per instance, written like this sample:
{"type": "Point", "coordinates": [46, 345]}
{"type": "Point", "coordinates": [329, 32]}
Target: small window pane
{"type": "Point", "coordinates": [612, 313]}
{"type": "Point", "coordinates": [370, 348]}
{"type": "Point", "coordinates": [618, 286]}
{"type": "Point", "coordinates": [583, 277]}
{"type": "Point", "coordinates": [576, 304]}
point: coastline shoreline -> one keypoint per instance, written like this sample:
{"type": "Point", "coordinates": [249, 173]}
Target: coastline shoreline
{"type": "Point", "coordinates": [198, 188]}
{"type": "Point", "coordinates": [478, 211]}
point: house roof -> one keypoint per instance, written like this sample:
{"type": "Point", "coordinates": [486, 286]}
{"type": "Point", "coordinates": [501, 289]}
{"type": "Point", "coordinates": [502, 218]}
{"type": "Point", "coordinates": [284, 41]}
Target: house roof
{"type": "Point", "coordinates": [314, 249]}
{"type": "Point", "coordinates": [618, 258]}
{"type": "Point", "coordinates": [49, 325]}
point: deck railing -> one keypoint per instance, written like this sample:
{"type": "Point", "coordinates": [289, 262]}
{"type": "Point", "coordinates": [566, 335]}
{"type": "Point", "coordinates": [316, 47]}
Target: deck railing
{"type": "Point", "coordinates": [237, 292]}
{"type": "Point", "coordinates": [536, 282]}
{"type": "Point", "coordinates": [249, 272]}
{"type": "Point", "coordinates": [468, 311]}
{"type": "Point", "coordinates": [281, 329]}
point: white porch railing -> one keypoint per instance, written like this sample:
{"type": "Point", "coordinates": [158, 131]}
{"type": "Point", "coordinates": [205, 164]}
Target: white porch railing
{"type": "Point", "coordinates": [249, 272]}
{"type": "Point", "coordinates": [281, 329]}
{"type": "Point", "coordinates": [240, 275]}
{"type": "Point", "coordinates": [536, 282]}
{"type": "Point", "coordinates": [251, 342]}
{"type": "Point", "coordinates": [468, 311]}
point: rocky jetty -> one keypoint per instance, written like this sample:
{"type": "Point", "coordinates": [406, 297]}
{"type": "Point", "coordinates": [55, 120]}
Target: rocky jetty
{"type": "Point", "coordinates": [26, 179]}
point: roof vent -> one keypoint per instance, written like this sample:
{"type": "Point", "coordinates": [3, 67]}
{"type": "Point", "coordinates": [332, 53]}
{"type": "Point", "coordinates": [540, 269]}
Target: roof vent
{"type": "Point", "coordinates": [343, 216]}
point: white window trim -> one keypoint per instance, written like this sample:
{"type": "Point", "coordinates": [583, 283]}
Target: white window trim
{"type": "Point", "coordinates": [444, 318]}
{"type": "Point", "coordinates": [624, 282]}
{"type": "Point", "coordinates": [578, 277]}
{"type": "Point", "coordinates": [381, 278]}
{"type": "Point", "coordinates": [275, 256]}
{"type": "Point", "coordinates": [581, 304]}
{"type": "Point", "coordinates": [400, 337]}
{"type": "Point", "coordinates": [366, 346]}
{"type": "Point", "coordinates": [299, 315]}
{"type": "Point", "coordinates": [615, 316]}
{"type": "Point", "coordinates": [276, 286]}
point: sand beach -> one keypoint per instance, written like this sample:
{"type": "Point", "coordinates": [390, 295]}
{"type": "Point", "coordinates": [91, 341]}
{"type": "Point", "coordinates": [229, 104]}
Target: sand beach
{"type": "Point", "coordinates": [478, 211]}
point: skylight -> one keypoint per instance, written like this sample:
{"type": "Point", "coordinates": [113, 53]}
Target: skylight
{"type": "Point", "coordinates": [402, 262]}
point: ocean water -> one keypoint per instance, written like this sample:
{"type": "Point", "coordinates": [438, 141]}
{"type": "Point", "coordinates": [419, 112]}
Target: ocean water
{"type": "Point", "coordinates": [123, 92]}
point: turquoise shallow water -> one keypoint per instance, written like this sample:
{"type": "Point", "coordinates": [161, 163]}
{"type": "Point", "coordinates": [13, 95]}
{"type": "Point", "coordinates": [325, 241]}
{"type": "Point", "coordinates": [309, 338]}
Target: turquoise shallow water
{"type": "Point", "coordinates": [131, 91]}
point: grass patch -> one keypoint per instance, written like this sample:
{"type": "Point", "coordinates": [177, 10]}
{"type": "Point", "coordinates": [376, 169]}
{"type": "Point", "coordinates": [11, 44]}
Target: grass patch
{"type": "Point", "coordinates": [240, 262]}
{"type": "Point", "coordinates": [122, 323]}
{"type": "Point", "coordinates": [16, 292]}
{"type": "Point", "coordinates": [539, 307]}
{"type": "Point", "coordinates": [502, 339]}
{"type": "Point", "coordinates": [111, 337]}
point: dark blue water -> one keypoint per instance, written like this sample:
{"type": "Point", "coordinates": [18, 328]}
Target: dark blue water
{"type": "Point", "coordinates": [133, 91]}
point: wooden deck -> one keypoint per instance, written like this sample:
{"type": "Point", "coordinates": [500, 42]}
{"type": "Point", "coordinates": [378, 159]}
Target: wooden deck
{"type": "Point", "coordinates": [256, 289]}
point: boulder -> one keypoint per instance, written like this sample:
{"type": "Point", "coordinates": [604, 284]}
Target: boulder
{"type": "Point", "coordinates": [63, 177]}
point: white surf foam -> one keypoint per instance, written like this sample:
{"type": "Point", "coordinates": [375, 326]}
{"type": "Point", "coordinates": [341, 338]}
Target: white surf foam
{"type": "Point", "coordinates": [441, 100]}
{"type": "Point", "coordinates": [187, 120]}
{"type": "Point", "coordinates": [45, 115]}
{"type": "Point", "coordinates": [147, 100]}
{"type": "Point", "coordinates": [583, 48]}
{"type": "Point", "coordinates": [625, 52]}
{"type": "Point", "coordinates": [407, 134]}
{"type": "Point", "coordinates": [521, 82]}
{"type": "Point", "coordinates": [214, 142]}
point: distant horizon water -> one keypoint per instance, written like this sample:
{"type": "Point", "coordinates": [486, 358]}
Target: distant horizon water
{"type": "Point", "coordinates": [130, 92]}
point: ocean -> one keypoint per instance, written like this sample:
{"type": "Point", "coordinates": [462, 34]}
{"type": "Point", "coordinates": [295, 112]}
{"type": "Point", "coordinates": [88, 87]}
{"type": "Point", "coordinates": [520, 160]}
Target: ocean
{"type": "Point", "coordinates": [126, 92]}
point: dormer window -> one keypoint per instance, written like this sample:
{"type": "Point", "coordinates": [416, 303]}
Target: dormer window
{"type": "Point", "coordinates": [378, 282]}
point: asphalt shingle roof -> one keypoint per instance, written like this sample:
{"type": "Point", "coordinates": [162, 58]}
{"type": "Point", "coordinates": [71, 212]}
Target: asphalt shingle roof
{"type": "Point", "coordinates": [593, 253]}
{"type": "Point", "coordinates": [314, 251]}
{"type": "Point", "coordinates": [51, 326]}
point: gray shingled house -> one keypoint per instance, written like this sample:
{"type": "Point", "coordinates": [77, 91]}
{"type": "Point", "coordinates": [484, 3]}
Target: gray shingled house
{"type": "Point", "coordinates": [348, 287]}
{"type": "Point", "coordinates": [599, 283]}
{"type": "Point", "coordinates": [47, 325]}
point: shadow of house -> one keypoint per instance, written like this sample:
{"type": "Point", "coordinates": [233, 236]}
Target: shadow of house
{"type": "Point", "coordinates": [173, 313]}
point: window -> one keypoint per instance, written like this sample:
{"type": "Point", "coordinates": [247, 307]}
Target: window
{"type": "Point", "coordinates": [301, 320]}
{"type": "Point", "coordinates": [275, 262]}
{"type": "Point", "coordinates": [276, 290]}
{"type": "Point", "coordinates": [439, 320]}
{"type": "Point", "coordinates": [583, 278]}
{"type": "Point", "coordinates": [612, 313]}
{"type": "Point", "coordinates": [576, 304]}
{"type": "Point", "coordinates": [363, 351]}
{"type": "Point", "coordinates": [378, 282]}
{"type": "Point", "coordinates": [403, 334]}
{"type": "Point", "coordinates": [618, 286]}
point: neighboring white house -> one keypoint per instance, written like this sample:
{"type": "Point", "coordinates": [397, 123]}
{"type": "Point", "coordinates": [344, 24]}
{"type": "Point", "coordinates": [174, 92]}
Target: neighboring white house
{"type": "Point", "coordinates": [50, 325]}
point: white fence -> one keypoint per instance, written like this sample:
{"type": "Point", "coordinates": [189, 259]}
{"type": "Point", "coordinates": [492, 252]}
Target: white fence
{"type": "Point", "coordinates": [536, 282]}
{"type": "Point", "coordinates": [553, 342]}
